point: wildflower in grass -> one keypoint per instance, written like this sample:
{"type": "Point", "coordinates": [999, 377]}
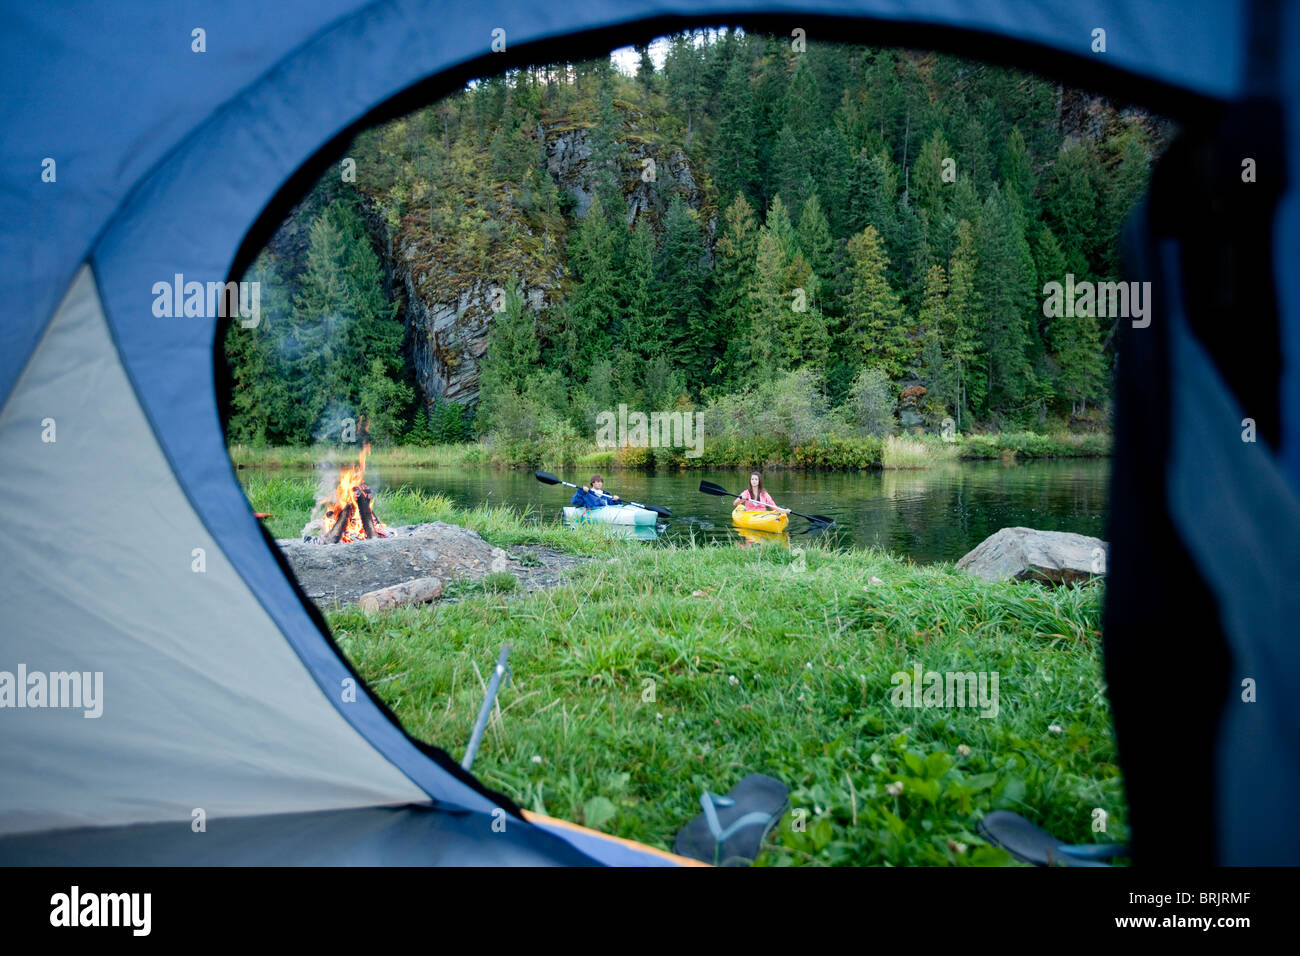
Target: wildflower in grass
{"type": "Point", "coordinates": [1054, 729]}
{"type": "Point", "coordinates": [659, 716]}
{"type": "Point", "coordinates": [731, 679]}
{"type": "Point", "coordinates": [963, 750]}
{"type": "Point", "coordinates": [894, 789]}
{"type": "Point", "coordinates": [537, 758]}
{"type": "Point", "coordinates": [957, 846]}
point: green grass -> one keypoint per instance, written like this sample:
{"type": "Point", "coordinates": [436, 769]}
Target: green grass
{"type": "Point", "coordinates": [290, 501]}
{"type": "Point", "coordinates": [912, 453]}
{"type": "Point", "coordinates": [658, 672]}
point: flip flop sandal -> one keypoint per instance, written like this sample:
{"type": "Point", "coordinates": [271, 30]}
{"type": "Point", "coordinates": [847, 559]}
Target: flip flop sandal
{"type": "Point", "coordinates": [1032, 844]}
{"type": "Point", "coordinates": [731, 830]}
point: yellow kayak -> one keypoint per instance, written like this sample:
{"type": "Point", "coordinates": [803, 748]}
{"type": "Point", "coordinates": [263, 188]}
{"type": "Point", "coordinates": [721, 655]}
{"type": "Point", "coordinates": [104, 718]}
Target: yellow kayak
{"type": "Point", "coordinates": [760, 520]}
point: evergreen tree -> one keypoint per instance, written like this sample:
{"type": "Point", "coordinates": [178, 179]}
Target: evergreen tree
{"type": "Point", "coordinates": [927, 181]}
{"type": "Point", "coordinates": [936, 325]}
{"type": "Point", "coordinates": [1071, 208]}
{"type": "Point", "coordinates": [814, 239]}
{"type": "Point", "coordinates": [734, 156]}
{"type": "Point", "coordinates": [1006, 281]}
{"type": "Point", "coordinates": [343, 320]}
{"type": "Point", "coordinates": [644, 331]}
{"type": "Point", "coordinates": [1074, 340]}
{"type": "Point", "coordinates": [963, 338]}
{"type": "Point", "coordinates": [1018, 176]}
{"type": "Point", "coordinates": [679, 294]}
{"type": "Point", "coordinates": [683, 74]}
{"type": "Point", "coordinates": [595, 310]}
{"type": "Point", "coordinates": [513, 354]}
{"type": "Point", "coordinates": [873, 315]}
{"type": "Point", "coordinates": [735, 286]}
{"type": "Point", "coordinates": [761, 349]}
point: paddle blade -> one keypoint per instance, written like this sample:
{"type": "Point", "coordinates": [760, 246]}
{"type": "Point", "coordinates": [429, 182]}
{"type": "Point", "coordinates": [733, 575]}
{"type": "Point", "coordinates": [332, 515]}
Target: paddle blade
{"type": "Point", "coordinates": [822, 519]}
{"type": "Point", "coordinates": [709, 488]}
{"type": "Point", "coordinates": [546, 477]}
{"type": "Point", "coordinates": [661, 512]}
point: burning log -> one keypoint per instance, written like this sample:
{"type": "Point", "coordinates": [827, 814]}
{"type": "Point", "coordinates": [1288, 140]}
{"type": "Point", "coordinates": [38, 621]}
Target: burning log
{"type": "Point", "coordinates": [340, 525]}
{"type": "Point", "coordinates": [419, 591]}
{"type": "Point", "coordinates": [349, 513]}
{"type": "Point", "coordinates": [363, 507]}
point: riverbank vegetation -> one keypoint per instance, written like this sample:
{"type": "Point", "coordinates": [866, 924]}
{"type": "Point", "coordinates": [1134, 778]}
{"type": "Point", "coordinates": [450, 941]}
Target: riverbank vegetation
{"type": "Point", "coordinates": [818, 452]}
{"type": "Point", "coordinates": [871, 228]}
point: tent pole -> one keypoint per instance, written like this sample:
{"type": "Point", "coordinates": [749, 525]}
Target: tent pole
{"type": "Point", "coordinates": [502, 670]}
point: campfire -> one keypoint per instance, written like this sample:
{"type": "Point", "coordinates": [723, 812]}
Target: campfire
{"type": "Point", "coordinates": [348, 515]}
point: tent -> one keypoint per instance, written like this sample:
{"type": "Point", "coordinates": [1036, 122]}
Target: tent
{"type": "Point", "coordinates": [131, 158]}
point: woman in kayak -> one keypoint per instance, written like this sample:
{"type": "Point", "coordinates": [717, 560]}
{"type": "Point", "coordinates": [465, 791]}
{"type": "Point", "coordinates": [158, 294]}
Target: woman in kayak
{"type": "Point", "coordinates": [755, 496]}
{"type": "Point", "coordinates": [593, 497]}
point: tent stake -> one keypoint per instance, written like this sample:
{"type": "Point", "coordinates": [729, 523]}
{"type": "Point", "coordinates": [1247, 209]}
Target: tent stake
{"type": "Point", "coordinates": [502, 670]}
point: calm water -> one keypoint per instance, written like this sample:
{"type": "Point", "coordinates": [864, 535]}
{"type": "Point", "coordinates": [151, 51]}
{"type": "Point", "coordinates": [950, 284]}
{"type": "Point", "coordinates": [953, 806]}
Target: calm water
{"type": "Point", "coordinates": [932, 515]}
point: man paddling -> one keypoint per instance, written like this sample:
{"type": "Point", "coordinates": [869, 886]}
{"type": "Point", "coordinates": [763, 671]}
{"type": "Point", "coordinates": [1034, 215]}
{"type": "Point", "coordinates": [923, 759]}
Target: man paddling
{"type": "Point", "coordinates": [593, 497]}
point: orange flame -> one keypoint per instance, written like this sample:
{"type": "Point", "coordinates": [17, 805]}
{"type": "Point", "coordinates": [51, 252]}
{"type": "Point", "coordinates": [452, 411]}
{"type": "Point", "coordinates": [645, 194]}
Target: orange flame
{"type": "Point", "coordinates": [352, 481]}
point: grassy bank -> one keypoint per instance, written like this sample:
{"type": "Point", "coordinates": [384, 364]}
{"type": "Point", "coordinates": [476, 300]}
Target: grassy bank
{"type": "Point", "coordinates": [660, 672]}
{"type": "Point", "coordinates": [830, 452]}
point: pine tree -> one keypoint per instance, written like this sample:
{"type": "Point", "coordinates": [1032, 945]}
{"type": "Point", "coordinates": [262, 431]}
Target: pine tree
{"type": "Point", "coordinates": [873, 315]}
{"type": "Point", "coordinates": [594, 306]}
{"type": "Point", "coordinates": [936, 326]}
{"type": "Point", "coordinates": [343, 320]}
{"type": "Point", "coordinates": [735, 160]}
{"type": "Point", "coordinates": [1017, 176]}
{"type": "Point", "coordinates": [761, 350]}
{"type": "Point", "coordinates": [513, 353]}
{"type": "Point", "coordinates": [683, 69]}
{"type": "Point", "coordinates": [963, 340]}
{"type": "Point", "coordinates": [1071, 208]}
{"type": "Point", "coordinates": [1006, 281]}
{"type": "Point", "coordinates": [645, 70]}
{"type": "Point", "coordinates": [803, 338]}
{"type": "Point", "coordinates": [679, 295]}
{"type": "Point", "coordinates": [263, 409]}
{"type": "Point", "coordinates": [814, 238]}
{"type": "Point", "coordinates": [793, 175]}
{"type": "Point", "coordinates": [735, 286]}
{"type": "Point", "coordinates": [1074, 340]}
{"type": "Point", "coordinates": [644, 331]}
{"type": "Point", "coordinates": [932, 192]}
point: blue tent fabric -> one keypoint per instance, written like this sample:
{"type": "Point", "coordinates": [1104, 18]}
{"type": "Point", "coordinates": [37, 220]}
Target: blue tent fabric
{"type": "Point", "coordinates": [167, 157]}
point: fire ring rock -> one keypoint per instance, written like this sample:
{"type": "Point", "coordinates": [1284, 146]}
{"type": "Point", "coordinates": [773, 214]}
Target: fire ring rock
{"type": "Point", "coordinates": [1050, 557]}
{"type": "Point", "coordinates": [341, 573]}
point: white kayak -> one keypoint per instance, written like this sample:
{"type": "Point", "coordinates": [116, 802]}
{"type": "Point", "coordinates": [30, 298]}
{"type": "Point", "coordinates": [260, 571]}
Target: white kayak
{"type": "Point", "coordinates": [611, 514]}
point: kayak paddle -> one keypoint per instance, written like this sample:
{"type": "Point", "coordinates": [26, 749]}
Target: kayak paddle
{"type": "Point", "coordinates": [546, 478]}
{"type": "Point", "coordinates": [709, 488]}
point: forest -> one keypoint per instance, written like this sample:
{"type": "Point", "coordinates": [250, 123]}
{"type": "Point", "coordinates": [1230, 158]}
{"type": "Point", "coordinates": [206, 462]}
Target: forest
{"type": "Point", "coordinates": [831, 243]}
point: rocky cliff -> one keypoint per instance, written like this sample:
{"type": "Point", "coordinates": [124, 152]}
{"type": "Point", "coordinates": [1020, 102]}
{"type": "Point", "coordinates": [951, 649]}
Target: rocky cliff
{"type": "Point", "coordinates": [449, 289]}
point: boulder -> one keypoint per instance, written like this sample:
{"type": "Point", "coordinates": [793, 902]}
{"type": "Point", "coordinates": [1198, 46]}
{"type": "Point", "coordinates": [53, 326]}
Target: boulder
{"type": "Point", "coordinates": [1024, 554]}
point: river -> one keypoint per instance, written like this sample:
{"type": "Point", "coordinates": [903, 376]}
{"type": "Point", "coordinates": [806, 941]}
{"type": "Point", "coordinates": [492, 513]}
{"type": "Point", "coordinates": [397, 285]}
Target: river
{"type": "Point", "coordinates": [933, 515]}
